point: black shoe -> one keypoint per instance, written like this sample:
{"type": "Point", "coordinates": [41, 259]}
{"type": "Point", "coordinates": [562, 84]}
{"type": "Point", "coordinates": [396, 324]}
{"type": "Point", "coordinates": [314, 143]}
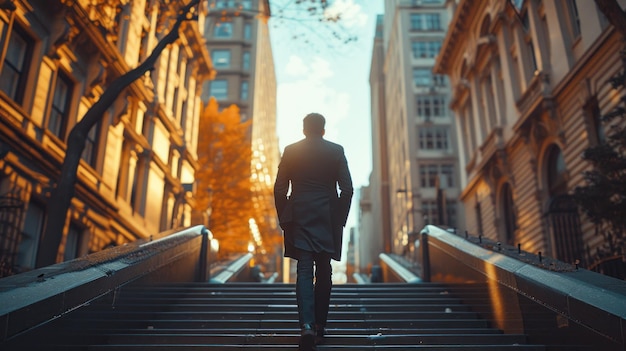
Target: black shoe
{"type": "Point", "coordinates": [320, 332]}
{"type": "Point", "coordinates": [307, 338]}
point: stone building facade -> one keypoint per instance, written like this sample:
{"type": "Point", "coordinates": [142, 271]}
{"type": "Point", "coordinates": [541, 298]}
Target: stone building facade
{"type": "Point", "coordinates": [137, 170]}
{"type": "Point", "coordinates": [530, 82]}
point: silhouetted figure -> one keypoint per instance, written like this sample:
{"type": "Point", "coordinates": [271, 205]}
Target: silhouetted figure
{"type": "Point", "coordinates": [312, 216]}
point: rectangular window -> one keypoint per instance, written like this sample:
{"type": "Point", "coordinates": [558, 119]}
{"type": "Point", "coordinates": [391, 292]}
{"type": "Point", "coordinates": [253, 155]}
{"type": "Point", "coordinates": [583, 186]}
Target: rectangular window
{"type": "Point", "coordinates": [422, 77]}
{"type": "Point", "coordinates": [574, 18]}
{"type": "Point", "coordinates": [247, 31]}
{"type": "Point", "coordinates": [433, 21]}
{"type": "Point", "coordinates": [223, 30]}
{"type": "Point", "coordinates": [244, 91]}
{"type": "Point", "coordinates": [430, 173]}
{"type": "Point", "coordinates": [72, 243]}
{"type": "Point", "coordinates": [33, 228]}
{"type": "Point", "coordinates": [246, 4]}
{"type": "Point", "coordinates": [60, 105]}
{"type": "Point", "coordinates": [425, 21]}
{"type": "Point", "coordinates": [91, 145]}
{"type": "Point", "coordinates": [219, 89]}
{"type": "Point", "coordinates": [15, 66]}
{"type": "Point", "coordinates": [220, 58]}
{"type": "Point", "coordinates": [245, 61]}
{"type": "Point", "coordinates": [429, 209]}
{"type": "Point", "coordinates": [425, 49]}
{"type": "Point", "coordinates": [431, 106]}
{"type": "Point", "coordinates": [433, 138]}
{"type": "Point", "coordinates": [446, 176]}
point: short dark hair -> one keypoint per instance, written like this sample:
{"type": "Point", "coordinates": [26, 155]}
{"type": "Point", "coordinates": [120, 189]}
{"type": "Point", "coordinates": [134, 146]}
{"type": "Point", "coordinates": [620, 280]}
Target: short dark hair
{"type": "Point", "coordinates": [314, 124]}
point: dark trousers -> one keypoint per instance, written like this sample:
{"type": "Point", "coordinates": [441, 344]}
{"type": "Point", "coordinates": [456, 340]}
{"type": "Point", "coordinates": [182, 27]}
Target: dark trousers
{"type": "Point", "coordinates": [313, 299]}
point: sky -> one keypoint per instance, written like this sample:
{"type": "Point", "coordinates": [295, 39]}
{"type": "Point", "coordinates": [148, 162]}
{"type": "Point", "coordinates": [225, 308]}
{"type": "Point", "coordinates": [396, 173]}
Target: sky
{"type": "Point", "coordinates": [313, 77]}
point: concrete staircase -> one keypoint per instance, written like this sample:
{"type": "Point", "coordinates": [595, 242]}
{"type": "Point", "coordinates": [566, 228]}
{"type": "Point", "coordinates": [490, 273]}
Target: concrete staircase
{"type": "Point", "coordinates": [197, 316]}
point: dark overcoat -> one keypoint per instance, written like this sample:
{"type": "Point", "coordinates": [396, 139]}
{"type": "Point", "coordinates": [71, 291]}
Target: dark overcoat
{"type": "Point", "coordinates": [311, 212]}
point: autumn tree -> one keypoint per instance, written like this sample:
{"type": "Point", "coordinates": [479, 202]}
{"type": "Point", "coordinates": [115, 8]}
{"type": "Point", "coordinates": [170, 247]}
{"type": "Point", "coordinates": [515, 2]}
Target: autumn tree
{"type": "Point", "coordinates": [223, 180]}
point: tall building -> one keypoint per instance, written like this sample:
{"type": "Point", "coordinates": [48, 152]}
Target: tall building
{"type": "Point", "coordinates": [415, 160]}
{"type": "Point", "coordinates": [56, 60]}
{"type": "Point", "coordinates": [237, 37]}
{"type": "Point", "coordinates": [530, 81]}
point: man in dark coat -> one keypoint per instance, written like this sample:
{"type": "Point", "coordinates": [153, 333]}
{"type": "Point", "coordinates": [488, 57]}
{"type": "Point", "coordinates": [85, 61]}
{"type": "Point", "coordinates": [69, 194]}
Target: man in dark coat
{"type": "Point", "coordinates": [312, 216]}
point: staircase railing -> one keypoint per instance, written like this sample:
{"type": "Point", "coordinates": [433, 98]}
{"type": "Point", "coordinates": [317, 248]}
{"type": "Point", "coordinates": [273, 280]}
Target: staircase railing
{"type": "Point", "coordinates": [582, 304]}
{"type": "Point", "coordinates": [31, 298]}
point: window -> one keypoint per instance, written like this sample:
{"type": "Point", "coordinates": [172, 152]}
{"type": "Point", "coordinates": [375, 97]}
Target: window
{"type": "Point", "coordinates": [15, 66]}
{"type": "Point", "coordinates": [247, 31]}
{"type": "Point", "coordinates": [33, 228]}
{"type": "Point", "coordinates": [557, 183]}
{"type": "Point", "coordinates": [244, 91]}
{"type": "Point", "coordinates": [422, 77]}
{"type": "Point", "coordinates": [59, 109]}
{"type": "Point", "coordinates": [245, 61]}
{"type": "Point", "coordinates": [91, 145]}
{"type": "Point", "coordinates": [425, 49]}
{"type": "Point", "coordinates": [573, 17]}
{"type": "Point", "coordinates": [220, 58]}
{"type": "Point", "coordinates": [219, 89]}
{"type": "Point", "coordinates": [508, 213]}
{"type": "Point", "coordinates": [246, 4]}
{"type": "Point", "coordinates": [479, 218]}
{"type": "Point", "coordinates": [430, 174]}
{"type": "Point", "coordinates": [529, 42]}
{"type": "Point", "coordinates": [425, 21]}
{"type": "Point", "coordinates": [434, 138]}
{"type": "Point", "coordinates": [223, 30]}
{"type": "Point", "coordinates": [72, 243]}
{"type": "Point", "coordinates": [431, 212]}
{"type": "Point", "coordinates": [429, 106]}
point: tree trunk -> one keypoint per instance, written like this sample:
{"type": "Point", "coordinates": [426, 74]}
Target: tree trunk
{"type": "Point", "coordinates": [62, 194]}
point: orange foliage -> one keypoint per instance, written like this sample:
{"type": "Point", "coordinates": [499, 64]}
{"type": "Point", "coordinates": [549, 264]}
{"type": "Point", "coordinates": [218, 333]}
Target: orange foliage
{"type": "Point", "coordinates": [223, 178]}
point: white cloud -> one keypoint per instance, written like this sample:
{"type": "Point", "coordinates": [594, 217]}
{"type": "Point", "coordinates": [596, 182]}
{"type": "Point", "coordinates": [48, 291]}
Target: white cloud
{"type": "Point", "coordinates": [295, 66]}
{"type": "Point", "coordinates": [352, 14]}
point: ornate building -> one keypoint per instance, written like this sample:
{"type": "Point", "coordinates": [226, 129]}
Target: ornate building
{"type": "Point", "coordinates": [530, 84]}
{"type": "Point", "coordinates": [56, 59]}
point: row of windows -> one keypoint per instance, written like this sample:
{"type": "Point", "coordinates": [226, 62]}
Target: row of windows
{"type": "Point", "coordinates": [425, 49]}
{"type": "Point", "coordinates": [431, 106]}
{"type": "Point", "coordinates": [430, 174]}
{"type": "Point", "coordinates": [430, 210]}
{"type": "Point", "coordinates": [434, 138]}
{"type": "Point", "coordinates": [219, 89]}
{"type": "Point", "coordinates": [425, 21]}
{"type": "Point", "coordinates": [224, 30]}
{"type": "Point", "coordinates": [13, 83]}
{"type": "Point", "coordinates": [524, 66]}
{"type": "Point", "coordinates": [223, 4]}
{"type": "Point", "coordinates": [222, 59]}
{"type": "Point", "coordinates": [424, 77]}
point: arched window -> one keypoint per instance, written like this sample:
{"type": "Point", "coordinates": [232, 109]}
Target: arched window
{"type": "Point", "coordinates": [508, 213]}
{"type": "Point", "coordinates": [555, 167]}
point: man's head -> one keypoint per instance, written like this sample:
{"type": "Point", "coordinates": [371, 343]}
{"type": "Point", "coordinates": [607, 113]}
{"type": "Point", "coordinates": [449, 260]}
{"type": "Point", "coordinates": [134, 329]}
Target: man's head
{"type": "Point", "coordinates": [314, 124]}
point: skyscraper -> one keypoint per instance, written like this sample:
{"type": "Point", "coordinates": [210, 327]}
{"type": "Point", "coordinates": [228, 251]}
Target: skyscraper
{"type": "Point", "coordinates": [417, 166]}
